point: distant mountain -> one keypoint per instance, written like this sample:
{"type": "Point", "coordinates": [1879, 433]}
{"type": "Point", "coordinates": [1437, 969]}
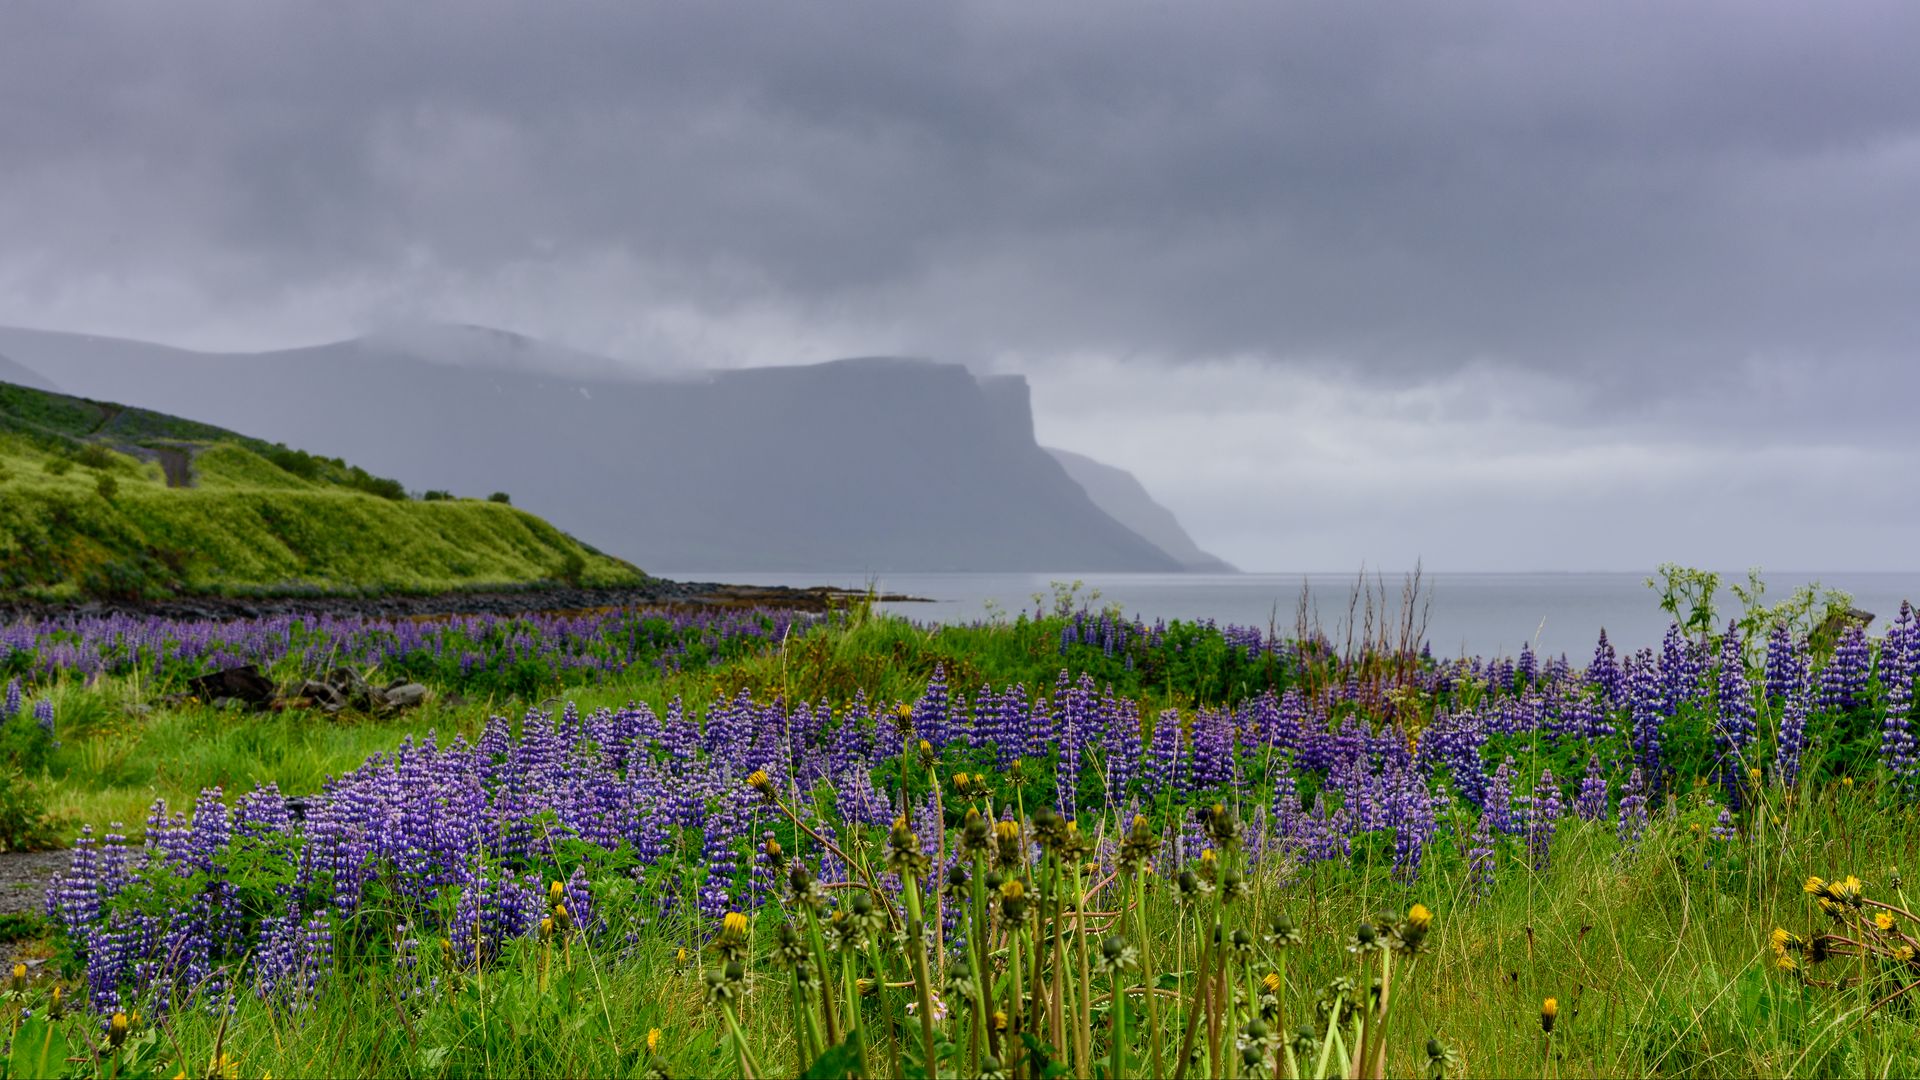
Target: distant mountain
{"type": "Point", "coordinates": [866, 465]}
{"type": "Point", "coordinates": [103, 500]}
{"type": "Point", "coordinates": [19, 375]}
{"type": "Point", "coordinates": [1121, 495]}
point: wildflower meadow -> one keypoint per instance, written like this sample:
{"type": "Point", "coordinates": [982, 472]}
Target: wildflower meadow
{"type": "Point", "coordinates": [1067, 844]}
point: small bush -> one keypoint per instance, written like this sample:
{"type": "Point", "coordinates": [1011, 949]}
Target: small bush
{"type": "Point", "coordinates": [298, 462]}
{"type": "Point", "coordinates": [59, 466]}
{"type": "Point", "coordinates": [107, 486]}
{"type": "Point", "coordinates": [573, 567]}
{"type": "Point", "coordinates": [25, 824]}
{"type": "Point", "coordinates": [95, 456]}
{"type": "Point", "coordinates": [500, 497]}
{"type": "Point", "coordinates": [437, 496]}
{"type": "Point", "coordinates": [362, 480]}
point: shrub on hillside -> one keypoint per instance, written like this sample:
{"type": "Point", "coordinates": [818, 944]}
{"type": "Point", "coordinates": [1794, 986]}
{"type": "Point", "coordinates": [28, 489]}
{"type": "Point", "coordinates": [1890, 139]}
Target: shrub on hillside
{"type": "Point", "coordinates": [500, 497]}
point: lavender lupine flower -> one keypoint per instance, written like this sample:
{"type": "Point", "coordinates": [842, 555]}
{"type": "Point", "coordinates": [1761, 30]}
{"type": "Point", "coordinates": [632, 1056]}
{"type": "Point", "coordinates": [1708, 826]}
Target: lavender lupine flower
{"type": "Point", "coordinates": [1527, 668]}
{"type": "Point", "coordinates": [1543, 812]}
{"type": "Point", "coordinates": [1843, 682]}
{"type": "Point", "coordinates": [1066, 776]}
{"type": "Point", "coordinates": [1411, 813]}
{"type": "Point", "coordinates": [1734, 718]}
{"type": "Point", "coordinates": [1793, 738]}
{"type": "Point", "coordinates": [1591, 804]}
{"type": "Point", "coordinates": [1633, 809]}
{"type": "Point", "coordinates": [10, 703]}
{"type": "Point", "coordinates": [43, 715]}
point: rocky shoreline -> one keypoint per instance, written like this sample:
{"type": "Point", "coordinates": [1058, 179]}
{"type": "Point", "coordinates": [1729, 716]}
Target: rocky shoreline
{"type": "Point", "coordinates": [658, 592]}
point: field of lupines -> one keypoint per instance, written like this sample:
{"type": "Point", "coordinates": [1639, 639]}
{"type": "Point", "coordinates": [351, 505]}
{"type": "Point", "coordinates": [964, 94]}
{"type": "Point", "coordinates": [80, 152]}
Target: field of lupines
{"type": "Point", "coordinates": [1191, 852]}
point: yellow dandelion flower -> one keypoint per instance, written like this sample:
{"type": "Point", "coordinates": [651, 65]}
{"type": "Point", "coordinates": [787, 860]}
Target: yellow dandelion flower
{"type": "Point", "coordinates": [1904, 954]}
{"type": "Point", "coordinates": [1883, 919]}
{"type": "Point", "coordinates": [758, 780]}
{"type": "Point", "coordinates": [1846, 782]}
{"type": "Point", "coordinates": [1207, 856]}
{"type": "Point", "coordinates": [734, 925]}
{"type": "Point", "coordinates": [1419, 917]}
{"type": "Point", "coordinates": [546, 927]}
{"type": "Point", "coordinates": [1549, 1011]}
{"type": "Point", "coordinates": [959, 779]}
{"type": "Point", "coordinates": [1007, 830]}
{"type": "Point", "coordinates": [999, 1020]}
{"type": "Point", "coordinates": [903, 710]}
{"type": "Point", "coordinates": [1271, 982]}
{"type": "Point", "coordinates": [681, 956]}
{"type": "Point", "coordinates": [1012, 889]}
{"type": "Point", "coordinates": [556, 892]}
{"type": "Point", "coordinates": [653, 1040]}
{"type": "Point", "coordinates": [1786, 962]}
{"type": "Point", "coordinates": [1814, 886]}
{"type": "Point", "coordinates": [19, 976]}
{"type": "Point", "coordinates": [117, 1029]}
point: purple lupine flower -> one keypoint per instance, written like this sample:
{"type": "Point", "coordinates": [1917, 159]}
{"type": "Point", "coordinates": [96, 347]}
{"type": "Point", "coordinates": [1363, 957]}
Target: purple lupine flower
{"type": "Point", "coordinates": [1525, 670]}
{"type": "Point", "coordinates": [931, 712]}
{"type": "Point", "coordinates": [10, 704]}
{"type": "Point", "coordinates": [1680, 669]}
{"type": "Point", "coordinates": [1499, 803]}
{"type": "Point", "coordinates": [1723, 828]}
{"type": "Point", "coordinates": [1212, 749]}
{"type": "Point", "coordinates": [1604, 672]}
{"type": "Point", "coordinates": [43, 715]}
{"type": "Point", "coordinates": [1480, 858]}
{"type": "Point", "coordinates": [1793, 738]}
{"type": "Point", "coordinates": [1734, 717]}
{"type": "Point", "coordinates": [1633, 809]}
{"type": "Point", "coordinates": [1898, 665]}
{"type": "Point", "coordinates": [1843, 682]}
{"type": "Point", "coordinates": [1543, 812]}
{"type": "Point", "coordinates": [1411, 813]}
{"type": "Point", "coordinates": [1122, 722]}
{"type": "Point", "coordinates": [1591, 804]}
{"type": "Point", "coordinates": [1647, 706]}
{"type": "Point", "coordinates": [1786, 663]}
{"type": "Point", "coordinates": [1162, 767]}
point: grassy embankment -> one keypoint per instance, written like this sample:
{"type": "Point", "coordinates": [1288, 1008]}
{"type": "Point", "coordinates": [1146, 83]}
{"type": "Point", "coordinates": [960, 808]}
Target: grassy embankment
{"type": "Point", "coordinates": [89, 511]}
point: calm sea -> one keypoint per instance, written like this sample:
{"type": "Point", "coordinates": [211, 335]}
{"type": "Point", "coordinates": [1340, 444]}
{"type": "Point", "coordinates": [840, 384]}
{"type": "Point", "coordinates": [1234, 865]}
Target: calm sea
{"type": "Point", "coordinates": [1468, 613]}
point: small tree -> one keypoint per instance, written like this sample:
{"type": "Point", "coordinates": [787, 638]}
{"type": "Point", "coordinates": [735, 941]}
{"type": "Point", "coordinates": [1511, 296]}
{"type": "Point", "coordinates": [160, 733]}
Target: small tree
{"type": "Point", "coordinates": [501, 497]}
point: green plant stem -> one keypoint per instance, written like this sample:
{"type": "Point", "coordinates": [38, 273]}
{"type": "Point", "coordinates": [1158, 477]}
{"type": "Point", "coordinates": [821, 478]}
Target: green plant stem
{"type": "Point", "coordinates": [916, 932]}
{"type": "Point", "coordinates": [856, 1028]}
{"type": "Point", "coordinates": [749, 1067]}
{"type": "Point", "coordinates": [1146, 972]}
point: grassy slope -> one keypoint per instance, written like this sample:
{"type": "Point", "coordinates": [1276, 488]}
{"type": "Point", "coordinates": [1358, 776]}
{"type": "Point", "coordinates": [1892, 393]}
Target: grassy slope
{"type": "Point", "coordinates": [248, 526]}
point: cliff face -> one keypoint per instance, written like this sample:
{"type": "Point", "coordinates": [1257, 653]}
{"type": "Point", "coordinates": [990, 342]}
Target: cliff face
{"type": "Point", "coordinates": [1121, 495]}
{"type": "Point", "coordinates": [857, 465]}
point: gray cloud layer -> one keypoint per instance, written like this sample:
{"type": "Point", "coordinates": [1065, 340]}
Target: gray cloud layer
{"type": "Point", "coordinates": [1640, 236]}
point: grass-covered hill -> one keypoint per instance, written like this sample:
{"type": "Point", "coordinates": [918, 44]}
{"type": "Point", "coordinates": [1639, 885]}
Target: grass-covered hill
{"type": "Point", "coordinates": [103, 500]}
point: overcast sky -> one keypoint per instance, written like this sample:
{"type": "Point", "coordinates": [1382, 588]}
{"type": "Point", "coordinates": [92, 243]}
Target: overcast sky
{"type": "Point", "coordinates": [1500, 285]}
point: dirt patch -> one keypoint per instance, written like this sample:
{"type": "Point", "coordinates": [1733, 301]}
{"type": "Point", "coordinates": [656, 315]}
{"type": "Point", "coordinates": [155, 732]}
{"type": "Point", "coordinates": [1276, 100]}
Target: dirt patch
{"type": "Point", "coordinates": [177, 463]}
{"type": "Point", "coordinates": [23, 879]}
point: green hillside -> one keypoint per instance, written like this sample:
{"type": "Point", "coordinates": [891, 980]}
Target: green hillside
{"type": "Point", "coordinates": [104, 500]}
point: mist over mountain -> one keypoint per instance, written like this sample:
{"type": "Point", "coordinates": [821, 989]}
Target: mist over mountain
{"type": "Point", "coordinates": [864, 465]}
{"type": "Point", "coordinates": [21, 376]}
{"type": "Point", "coordinates": [1122, 496]}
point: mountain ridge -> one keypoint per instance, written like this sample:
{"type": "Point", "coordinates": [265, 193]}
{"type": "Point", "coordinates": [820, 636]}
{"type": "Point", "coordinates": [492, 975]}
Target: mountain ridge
{"type": "Point", "coordinates": [866, 464]}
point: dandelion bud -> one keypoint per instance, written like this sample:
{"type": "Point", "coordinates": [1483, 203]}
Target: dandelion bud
{"type": "Point", "coordinates": [1252, 1056]}
{"type": "Point", "coordinates": [734, 925]}
{"type": "Point", "coordinates": [546, 927]}
{"type": "Point", "coordinates": [680, 957]}
{"type": "Point", "coordinates": [1549, 1011]}
{"type": "Point", "coordinates": [556, 892]}
{"type": "Point", "coordinates": [117, 1030]}
{"type": "Point", "coordinates": [562, 918]}
{"type": "Point", "coordinates": [735, 971]}
{"type": "Point", "coordinates": [1419, 917]}
{"type": "Point", "coordinates": [19, 977]}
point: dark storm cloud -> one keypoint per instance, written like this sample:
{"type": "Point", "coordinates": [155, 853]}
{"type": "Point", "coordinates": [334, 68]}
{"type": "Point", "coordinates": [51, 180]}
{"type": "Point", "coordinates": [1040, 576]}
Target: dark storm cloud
{"type": "Point", "coordinates": [1664, 221]}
